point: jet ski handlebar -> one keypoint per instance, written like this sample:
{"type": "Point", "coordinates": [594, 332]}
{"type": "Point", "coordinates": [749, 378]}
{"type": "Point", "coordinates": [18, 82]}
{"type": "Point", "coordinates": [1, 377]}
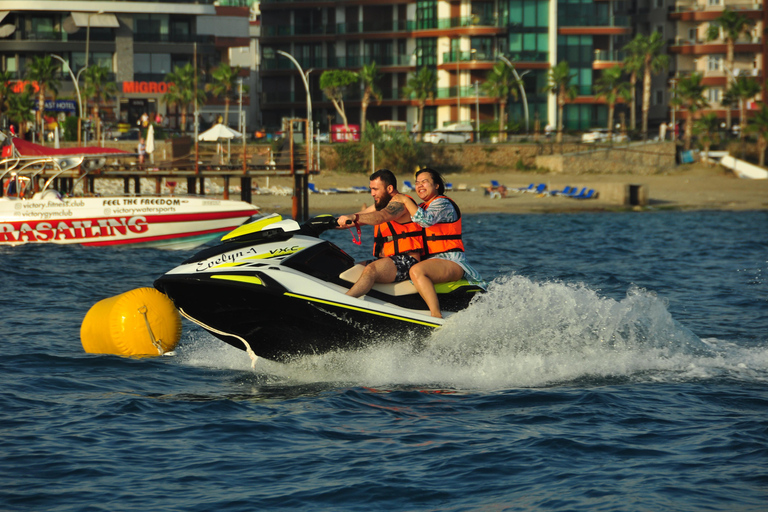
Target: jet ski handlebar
{"type": "Point", "coordinates": [317, 225]}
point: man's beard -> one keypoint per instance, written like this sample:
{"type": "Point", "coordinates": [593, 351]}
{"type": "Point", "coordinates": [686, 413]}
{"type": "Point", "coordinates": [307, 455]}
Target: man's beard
{"type": "Point", "coordinates": [380, 205]}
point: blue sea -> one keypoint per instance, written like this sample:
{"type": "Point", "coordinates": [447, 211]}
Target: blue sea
{"type": "Point", "coordinates": [618, 362]}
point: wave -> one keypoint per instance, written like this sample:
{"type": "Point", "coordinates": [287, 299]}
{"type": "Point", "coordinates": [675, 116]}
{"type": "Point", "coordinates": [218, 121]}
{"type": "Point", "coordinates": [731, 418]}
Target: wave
{"type": "Point", "coordinates": [522, 334]}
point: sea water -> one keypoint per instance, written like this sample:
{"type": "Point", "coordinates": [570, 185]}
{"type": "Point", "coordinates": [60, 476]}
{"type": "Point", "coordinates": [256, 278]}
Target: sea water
{"type": "Point", "coordinates": [618, 362]}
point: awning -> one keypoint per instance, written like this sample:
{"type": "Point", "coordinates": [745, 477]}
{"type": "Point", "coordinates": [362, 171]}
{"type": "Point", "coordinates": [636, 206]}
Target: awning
{"type": "Point", "coordinates": [97, 20]}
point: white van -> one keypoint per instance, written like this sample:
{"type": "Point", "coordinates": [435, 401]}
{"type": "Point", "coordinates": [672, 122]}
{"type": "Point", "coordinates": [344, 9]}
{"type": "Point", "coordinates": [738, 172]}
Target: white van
{"type": "Point", "coordinates": [457, 133]}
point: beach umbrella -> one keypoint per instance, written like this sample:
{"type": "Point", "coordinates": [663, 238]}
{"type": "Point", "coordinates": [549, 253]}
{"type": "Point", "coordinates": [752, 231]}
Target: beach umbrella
{"type": "Point", "coordinates": [219, 131]}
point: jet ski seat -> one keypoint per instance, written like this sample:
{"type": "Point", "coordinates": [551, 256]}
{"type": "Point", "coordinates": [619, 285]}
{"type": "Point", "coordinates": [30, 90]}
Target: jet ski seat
{"type": "Point", "coordinates": [396, 289]}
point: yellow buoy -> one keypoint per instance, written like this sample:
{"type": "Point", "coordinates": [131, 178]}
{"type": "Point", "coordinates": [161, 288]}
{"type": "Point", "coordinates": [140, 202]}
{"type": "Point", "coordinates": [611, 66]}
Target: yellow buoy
{"type": "Point", "coordinates": [140, 322]}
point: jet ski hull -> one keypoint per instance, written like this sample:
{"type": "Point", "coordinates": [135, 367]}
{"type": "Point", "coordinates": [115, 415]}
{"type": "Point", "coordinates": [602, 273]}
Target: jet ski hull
{"type": "Point", "coordinates": [281, 291]}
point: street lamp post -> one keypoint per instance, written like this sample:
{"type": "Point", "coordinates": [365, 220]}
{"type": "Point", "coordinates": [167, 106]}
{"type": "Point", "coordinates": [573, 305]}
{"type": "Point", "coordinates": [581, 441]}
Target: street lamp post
{"type": "Point", "coordinates": [77, 90]}
{"type": "Point", "coordinates": [520, 86]}
{"type": "Point", "coordinates": [309, 103]}
{"type": "Point", "coordinates": [87, 61]}
{"type": "Point", "coordinates": [477, 110]}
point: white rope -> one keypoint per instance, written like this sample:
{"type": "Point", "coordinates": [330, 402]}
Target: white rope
{"type": "Point", "coordinates": [157, 343]}
{"type": "Point", "coordinates": [248, 349]}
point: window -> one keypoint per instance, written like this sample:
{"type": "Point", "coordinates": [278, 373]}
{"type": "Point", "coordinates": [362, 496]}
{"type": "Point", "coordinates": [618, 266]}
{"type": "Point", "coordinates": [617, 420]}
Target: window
{"type": "Point", "coordinates": [426, 14]}
{"type": "Point", "coordinates": [658, 97]}
{"type": "Point", "coordinates": [714, 63]}
{"type": "Point", "coordinates": [714, 2]}
{"type": "Point", "coordinates": [713, 94]}
{"type": "Point", "coordinates": [152, 63]}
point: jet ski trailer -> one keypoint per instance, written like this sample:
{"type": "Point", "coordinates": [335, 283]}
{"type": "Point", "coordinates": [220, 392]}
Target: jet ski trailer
{"type": "Point", "coordinates": [275, 287]}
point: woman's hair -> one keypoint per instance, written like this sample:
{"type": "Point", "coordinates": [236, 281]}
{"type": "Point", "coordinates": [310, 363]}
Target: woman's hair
{"type": "Point", "coordinates": [439, 183]}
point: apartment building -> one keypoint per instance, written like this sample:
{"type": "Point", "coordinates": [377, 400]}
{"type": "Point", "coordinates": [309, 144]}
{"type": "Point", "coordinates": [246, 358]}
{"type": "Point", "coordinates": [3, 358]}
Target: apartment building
{"type": "Point", "coordinates": [140, 42]}
{"type": "Point", "coordinates": [460, 40]}
{"type": "Point", "coordinates": [693, 51]}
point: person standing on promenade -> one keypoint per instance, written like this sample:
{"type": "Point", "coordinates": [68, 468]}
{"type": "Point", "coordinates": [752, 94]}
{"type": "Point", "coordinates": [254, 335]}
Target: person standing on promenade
{"type": "Point", "coordinates": [142, 150]}
{"type": "Point", "coordinates": [397, 240]}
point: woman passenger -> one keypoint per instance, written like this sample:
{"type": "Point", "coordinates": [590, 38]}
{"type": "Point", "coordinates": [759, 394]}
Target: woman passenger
{"type": "Point", "coordinates": [443, 259]}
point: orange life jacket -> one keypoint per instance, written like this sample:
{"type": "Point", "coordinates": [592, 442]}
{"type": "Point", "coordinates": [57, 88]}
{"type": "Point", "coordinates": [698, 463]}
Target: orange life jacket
{"type": "Point", "coordinates": [444, 236]}
{"type": "Point", "coordinates": [391, 238]}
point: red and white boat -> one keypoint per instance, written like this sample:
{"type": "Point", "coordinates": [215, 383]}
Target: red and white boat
{"type": "Point", "coordinates": [47, 217]}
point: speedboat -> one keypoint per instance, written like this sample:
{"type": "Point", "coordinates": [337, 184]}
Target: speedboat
{"type": "Point", "coordinates": [30, 213]}
{"type": "Point", "coordinates": [276, 289]}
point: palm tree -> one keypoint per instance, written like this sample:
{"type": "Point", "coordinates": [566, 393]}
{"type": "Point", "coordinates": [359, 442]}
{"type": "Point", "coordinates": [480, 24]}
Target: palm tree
{"type": "Point", "coordinates": [559, 83]}
{"type": "Point", "coordinates": [20, 108]}
{"type": "Point", "coordinates": [99, 90]}
{"type": "Point", "coordinates": [334, 84]}
{"type": "Point", "coordinates": [633, 65]}
{"type": "Point", "coordinates": [500, 83]}
{"type": "Point", "coordinates": [44, 71]}
{"type": "Point", "coordinates": [369, 75]}
{"type": "Point", "coordinates": [689, 94]}
{"type": "Point", "coordinates": [421, 87]}
{"type": "Point", "coordinates": [5, 92]}
{"type": "Point", "coordinates": [743, 90]}
{"type": "Point", "coordinates": [611, 86]}
{"type": "Point", "coordinates": [707, 127]}
{"type": "Point", "coordinates": [759, 126]}
{"type": "Point", "coordinates": [181, 92]}
{"type": "Point", "coordinates": [654, 61]}
{"type": "Point", "coordinates": [224, 85]}
{"type": "Point", "coordinates": [732, 25]}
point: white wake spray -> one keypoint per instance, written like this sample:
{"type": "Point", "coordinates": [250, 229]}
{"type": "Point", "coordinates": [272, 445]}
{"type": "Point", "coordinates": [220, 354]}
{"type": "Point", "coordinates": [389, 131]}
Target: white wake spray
{"type": "Point", "coordinates": [520, 334]}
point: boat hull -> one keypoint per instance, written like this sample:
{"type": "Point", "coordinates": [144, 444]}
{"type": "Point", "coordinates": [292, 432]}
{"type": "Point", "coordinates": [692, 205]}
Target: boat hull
{"type": "Point", "coordinates": [166, 222]}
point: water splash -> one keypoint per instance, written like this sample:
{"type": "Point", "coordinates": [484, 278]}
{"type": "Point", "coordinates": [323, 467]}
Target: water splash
{"type": "Point", "coordinates": [521, 333]}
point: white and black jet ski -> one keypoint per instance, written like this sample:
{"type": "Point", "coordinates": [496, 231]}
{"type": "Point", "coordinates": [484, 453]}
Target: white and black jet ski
{"type": "Point", "coordinates": [276, 286]}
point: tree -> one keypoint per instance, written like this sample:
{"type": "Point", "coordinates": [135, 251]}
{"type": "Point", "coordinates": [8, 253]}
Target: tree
{"type": "Point", "coordinates": [611, 86]}
{"type": "Point", "coordinates": [689, 94]}
{"type": "Point", "coordinates": [759, 126]}
{"type": "Point", "coordinates": [421, 87]}
{"type": "Point", "coordinates": [732, 25]}
{"type": "Point", "coordinates": [224, 85]}
{"type": "Point", "coordinates": [44, 71]}
{"type": "Point", "coordinates": [369, 75]}
{"type": "Point", "coordinates": [181, 91]}
{"type": "Point", "coordinates": [654, 61]}
{"type": "Point", "coordinates": [741, 91]}
{"type": "Point", "coordinates": [559, 83]}
{"type": "Point", "coordinates": [633, 65]}
{"type": "Point", "coordinates": [500, 83]}
{"type": "Point", "coordinates": [5, 92]}
{"type": "Point", "coordinates": [335, 83]}
{"type": "Point", "coordinates": [20, 109]}
{"type": "Point", "coordinates": [707, 127]}
{"type": "Point", "coordinates": [99, 90]}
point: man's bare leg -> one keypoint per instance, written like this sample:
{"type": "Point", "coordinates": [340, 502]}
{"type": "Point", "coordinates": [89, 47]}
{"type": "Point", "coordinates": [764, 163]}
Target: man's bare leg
{"type": "Point", "coordinates": [382, 270]}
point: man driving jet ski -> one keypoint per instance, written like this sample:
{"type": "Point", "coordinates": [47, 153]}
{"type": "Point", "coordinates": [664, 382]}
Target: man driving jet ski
{"type": "Point", "coordinates": [397, 242]}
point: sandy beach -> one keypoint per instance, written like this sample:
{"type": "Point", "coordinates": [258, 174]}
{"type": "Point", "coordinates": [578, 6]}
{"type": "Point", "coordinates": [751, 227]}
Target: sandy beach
{"type": "Point", "coordinates": [691, 187]}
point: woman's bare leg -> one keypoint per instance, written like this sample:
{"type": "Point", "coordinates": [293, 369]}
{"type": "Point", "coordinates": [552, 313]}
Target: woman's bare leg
{"type": "Point", "coordinates": [428, 272]}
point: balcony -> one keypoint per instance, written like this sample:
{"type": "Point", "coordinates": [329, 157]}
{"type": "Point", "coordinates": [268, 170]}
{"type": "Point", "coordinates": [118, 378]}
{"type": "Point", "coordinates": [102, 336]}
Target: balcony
{"type": "Point", "coordinates": [703, 6]}
{"type": "Point", "coordinates": [609, 56]}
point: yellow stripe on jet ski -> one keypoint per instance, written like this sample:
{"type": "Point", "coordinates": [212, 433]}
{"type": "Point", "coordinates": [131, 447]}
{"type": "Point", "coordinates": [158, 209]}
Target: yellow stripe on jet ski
{"type": "Point", "coordinates": [346, 306]}
{"type": "Point", "coordinates": [252, 227]}
{"type": "Point", "coordinates": [450, 286]}
{"type": "Point", "coordinates": [240, 279]}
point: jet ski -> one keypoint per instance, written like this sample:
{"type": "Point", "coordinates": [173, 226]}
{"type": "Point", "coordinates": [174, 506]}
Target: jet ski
{"type": "Point", "coordinates": [274, 288]}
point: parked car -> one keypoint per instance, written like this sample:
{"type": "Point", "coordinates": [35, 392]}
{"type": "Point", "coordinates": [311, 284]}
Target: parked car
{"type": "Point", "coordinates": [325, 138]}
{"type": "Point", "coordinates": [601, 135]}
{"type": "Point", "coordinates": [131, 134]}
{"type": "Point", "coordinates": [453, 133]}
